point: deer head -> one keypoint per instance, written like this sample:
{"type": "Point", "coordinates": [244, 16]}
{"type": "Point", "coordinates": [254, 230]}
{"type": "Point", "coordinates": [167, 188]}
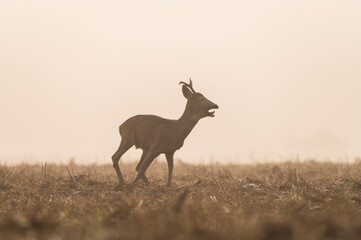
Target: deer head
{"type": "Point", "coordinates": [197, 104]}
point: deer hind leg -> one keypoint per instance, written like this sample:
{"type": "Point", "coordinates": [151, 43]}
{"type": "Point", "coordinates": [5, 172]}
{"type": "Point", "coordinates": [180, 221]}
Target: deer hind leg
{"type": "Point", "coordinates": [148, 159]}
{"type": "Point", "coordinates": [145, 152]}
{"type": "Point", "coordinates": [144, 178]}
{"type": "Point", "coordinates": [123, 147]}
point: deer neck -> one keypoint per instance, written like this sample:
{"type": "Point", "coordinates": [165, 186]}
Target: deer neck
{"type": "Point", "coordinates": [186, 123]}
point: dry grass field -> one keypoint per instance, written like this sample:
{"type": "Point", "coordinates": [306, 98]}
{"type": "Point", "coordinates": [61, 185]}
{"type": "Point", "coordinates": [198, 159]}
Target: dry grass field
{"type": "Point", "coordinates": [266, 201]}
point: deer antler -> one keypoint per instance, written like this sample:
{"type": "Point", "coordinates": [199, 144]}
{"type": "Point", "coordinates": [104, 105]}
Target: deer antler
{"type": "Point", "coordinates": [190, 85]}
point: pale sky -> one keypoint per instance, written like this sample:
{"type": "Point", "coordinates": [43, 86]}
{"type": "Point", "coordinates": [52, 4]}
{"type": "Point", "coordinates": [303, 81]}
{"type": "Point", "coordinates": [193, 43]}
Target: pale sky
{"type": "Point", "coordinates": [286, 75]}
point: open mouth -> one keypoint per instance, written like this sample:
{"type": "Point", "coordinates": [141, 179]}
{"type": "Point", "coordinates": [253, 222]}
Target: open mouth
{"type": "Point", "coordinates": [211, 113]}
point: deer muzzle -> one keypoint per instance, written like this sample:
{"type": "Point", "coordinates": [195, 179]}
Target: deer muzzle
{"type": "Point", "coordinates": [211, 113]}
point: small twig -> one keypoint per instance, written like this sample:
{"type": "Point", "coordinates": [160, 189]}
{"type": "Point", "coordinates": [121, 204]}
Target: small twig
{"type": "Point", "coordinates": [74, 180]}
{"type": "Point", "coordinates": [71, 176]}
{"type": "Point", "coordinates": [96, 176]}
{"type": "Point", "coordinates": [8, 175]}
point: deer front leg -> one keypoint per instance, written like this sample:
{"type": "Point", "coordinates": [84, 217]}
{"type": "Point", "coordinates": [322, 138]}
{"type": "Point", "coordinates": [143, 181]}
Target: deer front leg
{"type": "Point", "coordinates": [169, 157]}
{"type": "Point", "coordinates": [146, 163]}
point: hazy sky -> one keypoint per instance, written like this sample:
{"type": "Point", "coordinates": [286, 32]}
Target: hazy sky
{"type": "Point", "coordinates": [286, 75]}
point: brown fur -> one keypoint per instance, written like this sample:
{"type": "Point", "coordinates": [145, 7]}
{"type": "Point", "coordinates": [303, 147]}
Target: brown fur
{"type": "Point", "coordinates": [156, 135]}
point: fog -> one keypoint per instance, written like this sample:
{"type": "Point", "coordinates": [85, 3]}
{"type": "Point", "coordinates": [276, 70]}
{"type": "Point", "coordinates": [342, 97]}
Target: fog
{"type": "Point", "coordinates": [286, 75]}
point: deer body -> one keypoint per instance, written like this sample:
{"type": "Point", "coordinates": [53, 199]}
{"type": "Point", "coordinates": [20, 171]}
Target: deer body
{"type": "Point", "coordinates": [149, 131]}
{"type": "Point", "coordinates": [156, 135]}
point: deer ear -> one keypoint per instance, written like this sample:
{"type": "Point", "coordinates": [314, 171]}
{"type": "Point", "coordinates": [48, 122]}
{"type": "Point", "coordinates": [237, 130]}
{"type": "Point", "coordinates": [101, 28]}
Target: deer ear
{"type": "Point", "coordinates": [186, 92]}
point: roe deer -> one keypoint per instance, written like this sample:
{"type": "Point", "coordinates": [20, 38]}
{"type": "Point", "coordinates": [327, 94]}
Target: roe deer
{"type": "Point", "coordinates": [156, 135]}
